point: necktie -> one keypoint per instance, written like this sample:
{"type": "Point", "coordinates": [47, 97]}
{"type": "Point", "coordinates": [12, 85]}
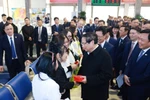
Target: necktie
{"type": "Point", "coordinates": [140, 55]}
{"type": "Point", "coordinates": [131, 49]}
{"type": "Point", "coordinates": [13, 49]}
{"type": "Point", "coordinates": [120, 42]}
{"type": "Point", "coordinates": [81, 32]}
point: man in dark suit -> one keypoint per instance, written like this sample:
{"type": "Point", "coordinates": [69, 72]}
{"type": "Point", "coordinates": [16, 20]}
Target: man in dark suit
{"type": "Point", "coordinates": [66, 24]}
{"type": "Point", "coordinates": [130, 47]}
{"type": "Point", "coordinates": [121, 42]}
{"type": "Point", "coordinates": [10, 20]}
{"type": "Point", "coordinates": [2, 24]}
{"type": "Point", "coordinates": [40, 37]}
{"type": "Point", "coordinates": [57, 28]}
{"type": "Point", "coordinates": [96, 69]}
{"type": "Point", "coordinates": [94, 26]}
{"type": "Point", "coordinates": [82, 29]}
{"type": "Point", "coordinates": [15, 54]}
{"type": "Point", "coordinates": [101, 33]}
{"type": "Point", "coordinates": [137, 73]}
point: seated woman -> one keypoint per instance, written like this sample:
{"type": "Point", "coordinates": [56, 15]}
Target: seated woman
{"type": "Point", "coordinates": [43, 85]}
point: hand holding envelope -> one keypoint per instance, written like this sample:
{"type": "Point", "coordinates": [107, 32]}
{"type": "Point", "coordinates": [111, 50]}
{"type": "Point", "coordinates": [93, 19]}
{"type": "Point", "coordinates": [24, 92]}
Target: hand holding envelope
{"type": "Point", "coordinates": [80, 79]}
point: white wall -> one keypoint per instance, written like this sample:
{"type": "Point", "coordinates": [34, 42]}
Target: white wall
{"type": "Point", "coordinates": [61, 12]}
{"type": "Point", "coordinates": [38, 3]}
{"type": "Point", "coordinates": [103, 11]}
{"type": "Point", "coordinates": [145, 12]}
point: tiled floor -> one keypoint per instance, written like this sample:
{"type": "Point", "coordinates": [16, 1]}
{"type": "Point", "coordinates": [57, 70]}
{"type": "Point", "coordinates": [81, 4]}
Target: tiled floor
{"type": "Point", "coordinates": [76, 94]}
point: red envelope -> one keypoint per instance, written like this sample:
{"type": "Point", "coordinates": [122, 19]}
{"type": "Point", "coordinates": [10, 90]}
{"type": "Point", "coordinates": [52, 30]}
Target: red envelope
{"type": "Point", "coordinates": [78, 78]}
{"type": "Point", "coordinates": [76, 62]}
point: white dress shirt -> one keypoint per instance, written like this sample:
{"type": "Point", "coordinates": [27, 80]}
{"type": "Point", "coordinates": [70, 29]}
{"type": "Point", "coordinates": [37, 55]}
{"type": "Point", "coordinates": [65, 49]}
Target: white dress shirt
{"type": "Point", "coordinates": [70, 60]}
{"type": "Point", "coordinates": [13, 42]}
{"type": "Point", "coordinates": [45, 90]}
{"type": "Point", "coordinates": [102, 44]}
{"type": "Point", "coordinates": [39, 33]}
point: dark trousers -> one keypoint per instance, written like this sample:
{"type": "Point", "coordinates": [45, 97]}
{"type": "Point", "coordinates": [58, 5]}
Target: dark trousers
{"type": "Point", "coordinates": [29, 46]}
{"type": "Point", "coordinates": [40, 46]}
{"type": "Point", "coordinates": [15, 68]}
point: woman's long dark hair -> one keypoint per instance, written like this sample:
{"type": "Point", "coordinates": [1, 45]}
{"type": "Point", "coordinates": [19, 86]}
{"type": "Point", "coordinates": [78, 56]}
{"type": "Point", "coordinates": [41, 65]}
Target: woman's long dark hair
{"type": "Point", "coordinates": [46, 65]}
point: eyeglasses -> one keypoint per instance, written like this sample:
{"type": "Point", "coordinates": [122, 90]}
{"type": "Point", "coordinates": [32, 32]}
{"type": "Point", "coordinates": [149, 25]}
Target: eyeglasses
{"type": "Point", "coordinates": [83, 43]}
{"type": "Point", "coordinates": [69, 36]}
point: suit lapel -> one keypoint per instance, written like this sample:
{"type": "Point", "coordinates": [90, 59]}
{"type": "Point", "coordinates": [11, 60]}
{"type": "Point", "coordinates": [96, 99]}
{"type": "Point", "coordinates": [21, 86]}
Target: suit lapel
{"type": "Point", "coordinates": [7, 41]}
{"type": "Point", "coordinates": [105, 46]}
{"type": "Point", "coordinates": [144, 56]}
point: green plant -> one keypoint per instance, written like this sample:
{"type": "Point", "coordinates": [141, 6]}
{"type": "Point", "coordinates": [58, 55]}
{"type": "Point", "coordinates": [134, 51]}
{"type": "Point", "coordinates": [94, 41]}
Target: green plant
{"type": "Point", "coordinates": [139, 17]}
{"type": "Point", "coordinates": [82, 15]}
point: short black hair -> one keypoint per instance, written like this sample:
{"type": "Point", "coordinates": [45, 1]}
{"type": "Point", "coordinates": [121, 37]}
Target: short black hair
{"type": "Point", "coordinates": [126, 28]}
{"type": "Point", "coordinates": [102, 29]}
{"type": "Point", "coordinates": [96, 18]}
{"type": "Point", "coordinates": [74, 17]}
{"type": "Point", "coordinates": [73, 20]}
{"type": "Point", "coordinates": [26, 18]}
{"type": "Point", "coordinates": [146, 22]}
{"type": "Point", "coordinates": [133, 19]}
{"type": "Point", "coordinates": [7, 24]}
{"type": "Point", "coordinates": [56, 18]}
{"type": "Point", "coordinates": [116, 26]}
{"type": "Point", "coordinates": [137, 29]}
{"type": "Point", "coordinates": [3, 15]}
{"type": "Point", "coordinates": [9, 18]}
{"type": "Point", "coordinates": [90, 36]}
{"type": "Point", "coordinates": [147, 31]}
{"type": "Point", "coordinates": [101, 21]}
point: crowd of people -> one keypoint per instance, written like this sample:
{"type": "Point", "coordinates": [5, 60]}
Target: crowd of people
{"type": "Point", "coordinates": [105, 51]}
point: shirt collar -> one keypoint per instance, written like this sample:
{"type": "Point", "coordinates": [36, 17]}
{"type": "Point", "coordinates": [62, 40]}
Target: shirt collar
{"type": "Point", "coordinates": [123, 37]}
{"type": "Point", "coordinates": [108, 38]}
{"type": "Point", "coordinates": [135, 42]}
{"type": "Point", "coordinates": [10, 36]}
{"type": "Point", "coordinates": [4, 22]}
{"type": "Point", "coordinates": [145, 50]}
{"type": "Point", "coordinates": [96, 50]}
{"type": "Point", "coordinates": [102, 44]}
{"type": "Point", "coordinates": [44, 76]}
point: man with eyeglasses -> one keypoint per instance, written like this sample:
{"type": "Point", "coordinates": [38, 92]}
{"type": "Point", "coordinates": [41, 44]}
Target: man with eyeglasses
{"type": "Point", "coordinates": [96, 69]}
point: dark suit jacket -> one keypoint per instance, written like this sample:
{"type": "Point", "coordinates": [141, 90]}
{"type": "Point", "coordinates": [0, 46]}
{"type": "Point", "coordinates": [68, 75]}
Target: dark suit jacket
{"type": "Point", "coordinates": [2, 28]}
{"type": "Point", "coordinates": [15, 28]}
{"type": "Point", "coordinates": [112, 41]}
{"type": "Point", "coordinates": [92, 28]}
{"type": "Point", "coordinates": [139, 73]}
{"type": "Point", "coordinates": [44, 35]}
{"type": "Point", "coordinates": [60, 29]}
{"type": "Point", "coordinates": [86, 29]}
{"type": "Point", "coordinates": [97, 67]}
{"type": "Point", "coordinates": [65, 25]}
{"type": "Point", "coordinates": [20, 50]}
{"type": "Point", "coordinates": [126, 52]}
{"type": "Point", "coordinates": [110, 49]}
{"type": "Point", "coordinates": [119, 53]}
{"type": "Point", "coordinates": [63, 82]}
